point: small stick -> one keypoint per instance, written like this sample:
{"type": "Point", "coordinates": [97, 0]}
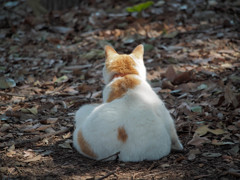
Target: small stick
{"type": "Point", "coordinates": [12, 94]}
{"type": "Point", "coordinates": [35, 139]}
{"type": "Point", "coordinates": [234, 173]}
{"type": "Point", "coordinates": [116, 154]}
{"type": "Point", "coordinates": [108, 174]}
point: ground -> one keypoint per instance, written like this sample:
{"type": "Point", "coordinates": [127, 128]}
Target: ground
{"type": "Point", "coordinates": [50, 65]}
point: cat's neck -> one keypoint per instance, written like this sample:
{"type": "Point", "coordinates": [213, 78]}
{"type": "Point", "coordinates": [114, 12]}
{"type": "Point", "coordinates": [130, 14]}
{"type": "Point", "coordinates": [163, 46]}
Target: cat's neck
{"type": "Point", "coordinates": [120, 75]}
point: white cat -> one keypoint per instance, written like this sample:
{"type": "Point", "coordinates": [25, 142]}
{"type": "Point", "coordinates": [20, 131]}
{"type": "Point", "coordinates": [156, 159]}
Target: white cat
{"type": "Point", "coordinates": [131, 120]}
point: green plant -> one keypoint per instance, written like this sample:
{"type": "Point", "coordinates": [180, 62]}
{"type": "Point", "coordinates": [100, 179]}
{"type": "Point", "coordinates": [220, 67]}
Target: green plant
{"type": "Point", "coordinates": [139, 7]}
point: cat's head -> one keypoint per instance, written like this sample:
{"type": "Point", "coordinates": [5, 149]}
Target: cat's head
{"type": "Point", "coordinates": [122, 64]}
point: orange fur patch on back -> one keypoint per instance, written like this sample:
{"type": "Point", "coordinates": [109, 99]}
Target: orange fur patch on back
{"type": "Point", "coordinates": [85, 146]}
{"type": "Point", "coordinates": [121, 64]}
{"type": "Point", "coordinates": [120, 86]}
{"type": "Point", "coordinates": [122, 135]}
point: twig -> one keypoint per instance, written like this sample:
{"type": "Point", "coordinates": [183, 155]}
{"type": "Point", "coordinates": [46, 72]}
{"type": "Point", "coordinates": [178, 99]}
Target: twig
{"type": "Point", "coordinates": [116, 154]}
{"type": "Point", "coordinates": [108, 174]}
{"type": "Point", "coordinates": [20, 143]}
{"type": "Point", "coordinates": [234, 173]}
{"type": "Point", "coordinates": [12, 94]}
{"type": "Point", "coordinates": [35, 97]}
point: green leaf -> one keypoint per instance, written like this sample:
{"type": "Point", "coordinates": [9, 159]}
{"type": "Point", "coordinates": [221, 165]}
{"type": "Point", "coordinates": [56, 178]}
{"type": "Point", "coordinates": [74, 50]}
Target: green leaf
{"type": "Point", "coordinates": [170, 35]}
{"type": "Point", "coordinates": [139, 7]}
{"type": "Point", "coordinates": [202, 87]}
{"type": "Point", "coordinates": [148, 47]}
{"type": "Point", "coordinates": [62, 79]}
{"type": "Point", "coordinates": [33, 110]}
{"type": "Point", "coordinates": [93, 54]}
{"type": "Point", "coordinates": [197, 109]}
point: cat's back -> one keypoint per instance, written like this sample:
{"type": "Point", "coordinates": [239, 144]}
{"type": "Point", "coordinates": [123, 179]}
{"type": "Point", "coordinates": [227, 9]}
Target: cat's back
{"type": "Point", "coordinates": [130, 89]}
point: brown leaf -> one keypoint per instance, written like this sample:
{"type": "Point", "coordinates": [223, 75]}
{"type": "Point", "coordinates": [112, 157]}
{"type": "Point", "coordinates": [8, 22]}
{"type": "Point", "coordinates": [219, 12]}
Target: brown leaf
{"type": "Point", "coordinates": [170, 73]}
{"type": "Point", "coordinates": [202, 130]}
{"type": "Point", "coordinates": [167, 85]}
{"type": "Point", "coordinates": [36, 158]}
{"type": "Point", "coordinates": [43, 127]}
{"type": "Point", "coordinates": [192, 154]}
{"type": "Point", "coordinates": [217, 131]}
{"type": "Point", "coordinates": [84, 88]}
{"type": "Point", "coordinates": [31, 128]}
{"type": "Point", "coordinates": [230, 97]}
{"type": "Point", "coordinates": [211, 155]}
{"type": "Point", "coordinates": [183, 77]}
{"type": "Point", "coordinates": [198, 141]}
{"type": "Point", "coordinates": [4, 127]}
{"type": "Point", "coordinates": [219, 143]}
{"type": "Point", "coordinates": [49, 121]}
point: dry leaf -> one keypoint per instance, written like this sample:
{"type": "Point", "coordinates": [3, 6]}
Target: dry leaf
{"type": "Point", "coordinates": [213, 155]}
{"type": "Point", "coordinates": [33, 110]}
{"type": "Point", "coordinates": [66, 144]}
{"type": "Point", "coordinates": [66, 136]}
{"type": "Point", "coordinates": [192, 154]}
{"type": "Point", "coordinates": [49, 121]}
{"type": "Point", "coordinates": [219, 143]}
{"type": "Point", "coordinates": [230, 97]}
{"type": "Point", "coordinates": [198, 141]}
{"type": "Point", "coordinates": [202, 130]}
{"type": "Point", "coordinates": [43, 127]}
{"type": "Point", "coordinates": [31, 128]}
{"type": "Point", "coordinates": [170, 73]}
{"type": "Point", "coordinates": [28, 154]}
{"type": "Point", "coordinates": [36, 158]}
{"type": "Point", "coordinates": [70, 90]}
{"type": "Point", "coordinates": [235, 150]}
{"type": "Point", "coordinates": [217, 131]}
{"type": "Point", "coordinates": [4, 127]}
{"type": "Point", "coordinates": [183, 77]}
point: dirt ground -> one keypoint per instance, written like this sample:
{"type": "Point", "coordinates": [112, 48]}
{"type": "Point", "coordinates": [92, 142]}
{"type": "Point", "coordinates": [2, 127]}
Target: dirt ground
{"type": "Point", "coordinates": [50, 65]}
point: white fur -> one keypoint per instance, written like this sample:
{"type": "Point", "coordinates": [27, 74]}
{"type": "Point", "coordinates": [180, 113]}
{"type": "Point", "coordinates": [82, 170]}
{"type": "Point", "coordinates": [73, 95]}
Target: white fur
{"type": "Point", "coordinates": [148, 124]}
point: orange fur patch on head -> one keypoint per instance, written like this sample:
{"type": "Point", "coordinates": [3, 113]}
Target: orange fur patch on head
{"type": "Point", "coordinates": [121, 86]}
{"type": "Point", "coordinates": [121, 64]}
{"type": "Point", "coordinates": [122, 135]}
{"type": "Point", "coordinates": [85, 146]}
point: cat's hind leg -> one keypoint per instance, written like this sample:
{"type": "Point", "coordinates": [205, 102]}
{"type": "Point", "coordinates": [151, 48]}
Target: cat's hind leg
{"type": "Point", "coordinates": [176, 144]}
{"type": "Point", "coordinates": [83, 113]}
{"type": "Point", "coordinates": [164, 114]}
{"type": "Point", "coordinates": [80, 117]}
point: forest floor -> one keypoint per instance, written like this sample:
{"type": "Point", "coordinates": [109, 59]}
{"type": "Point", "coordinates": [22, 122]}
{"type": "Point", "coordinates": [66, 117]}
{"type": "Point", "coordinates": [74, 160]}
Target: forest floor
{"type": "Point", "coordinates": [51, 65]}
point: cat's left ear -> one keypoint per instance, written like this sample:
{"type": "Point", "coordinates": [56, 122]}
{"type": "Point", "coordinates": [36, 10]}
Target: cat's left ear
{"type": "Point", "coordinates": [138, 51]}
{"type": "Point", "coordinates": [109, 52]}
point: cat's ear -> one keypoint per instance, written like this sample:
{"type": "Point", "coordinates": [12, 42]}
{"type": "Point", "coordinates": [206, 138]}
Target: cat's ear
{"type": "Point", "coordinates": [138, 51]}
{"type": "Point", "coordinates": [109, 52]}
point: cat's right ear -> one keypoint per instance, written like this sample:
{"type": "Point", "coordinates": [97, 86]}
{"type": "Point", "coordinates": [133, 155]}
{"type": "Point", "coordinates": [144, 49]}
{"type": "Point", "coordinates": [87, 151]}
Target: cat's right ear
{"type": "Point", "coordinates": [109, 52]}
{"type": "Point", "coordinates": [138, 51]}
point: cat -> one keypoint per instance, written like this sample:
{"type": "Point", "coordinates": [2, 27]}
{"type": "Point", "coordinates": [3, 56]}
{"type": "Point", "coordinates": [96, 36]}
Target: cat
{"type": "Point", "coordinates": [132, 119]}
